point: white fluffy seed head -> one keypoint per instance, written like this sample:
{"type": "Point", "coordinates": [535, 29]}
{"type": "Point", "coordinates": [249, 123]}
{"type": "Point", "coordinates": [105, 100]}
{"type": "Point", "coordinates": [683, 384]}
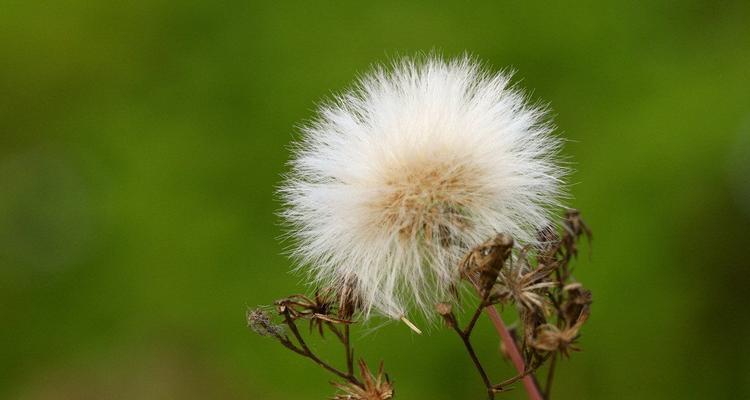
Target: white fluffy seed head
{"type": "Point", "coordinates": [400, 176]}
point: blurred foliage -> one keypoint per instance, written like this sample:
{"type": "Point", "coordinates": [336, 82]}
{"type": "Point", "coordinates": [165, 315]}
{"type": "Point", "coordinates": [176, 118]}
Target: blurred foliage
{"type": "Point", "coordinates": [141, 142]}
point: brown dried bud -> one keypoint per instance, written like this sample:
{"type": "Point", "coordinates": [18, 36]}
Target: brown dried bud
{"type": "Point", "coordinates": [576, 303]}
{"type": "Point", "coordinates": [532, 319]}
{"type": "Point", "coordinates": [488, 259]}
{"type": "Point", "coordinates": [348, 301]}
{"type": "Point", "coordinates": [446, 311]}
{"type": "Point", "coordinates": [573, 228]}
{"type": "Point", "coordinates": [547, 235]}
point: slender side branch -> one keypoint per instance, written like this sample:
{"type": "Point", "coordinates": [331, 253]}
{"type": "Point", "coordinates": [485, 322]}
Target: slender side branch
{"type": "Point", "coordinates": [306, 352]}
{"type": "Point", "coordinates": [474, 318]}
{"type": "Point", "coordinates": [349, 351]}
{"type": "Point", "coordinates": [475, 359]}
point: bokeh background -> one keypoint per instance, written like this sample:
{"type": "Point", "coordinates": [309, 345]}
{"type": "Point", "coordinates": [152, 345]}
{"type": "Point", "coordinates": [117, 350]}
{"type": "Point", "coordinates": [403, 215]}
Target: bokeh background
{"type": "Point", "coordinates": [141, 142]}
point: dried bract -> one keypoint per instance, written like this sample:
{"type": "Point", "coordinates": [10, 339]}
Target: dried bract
{"type": "Point", "coordinates": [319, 310]}
{"type": "Point", "coordinates": [525, 286]}
{"type": "Point", "coordinates": [551, 338]}
{"type": "Point", "coordinates": [374, 386]}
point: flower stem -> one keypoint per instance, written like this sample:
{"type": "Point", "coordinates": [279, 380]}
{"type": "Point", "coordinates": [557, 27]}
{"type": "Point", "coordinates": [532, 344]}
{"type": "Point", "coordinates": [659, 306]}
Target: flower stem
{"type": "Point", "coordinates": [515, 355]}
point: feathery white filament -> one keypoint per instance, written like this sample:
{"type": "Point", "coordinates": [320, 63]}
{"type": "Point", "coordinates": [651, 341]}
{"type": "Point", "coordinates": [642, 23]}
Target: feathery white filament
{"type": "Point", "coordinates": [400, 176]}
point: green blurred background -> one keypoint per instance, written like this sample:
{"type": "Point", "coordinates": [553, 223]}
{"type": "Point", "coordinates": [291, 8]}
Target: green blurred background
{"type": "Point", "coordinates": [141, 142]}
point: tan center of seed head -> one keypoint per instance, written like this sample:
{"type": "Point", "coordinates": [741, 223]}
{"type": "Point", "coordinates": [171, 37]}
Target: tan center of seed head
{"type": "Point", "coordinates": [427, 200]}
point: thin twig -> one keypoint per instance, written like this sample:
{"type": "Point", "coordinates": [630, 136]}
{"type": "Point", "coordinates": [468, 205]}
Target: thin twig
{"type": "Point", "coordinates": [289, 345]}
{"type": "Point", "coordinates": [465, 338]}
{"type": "Point", "coordinates": [474, 318]}
{"type": "Point", "coordinates": [346, 341]}
{"type": "Point", "coordinates": [295, 331]}
{"type": "Point", "coordinates": [306, 352]}
{"type": "Point", "coordinates": [529, 372]}
{"type": "Point", "coordinates": [349, 351]}
{"type": "Point", "coordinates": [336, 332]}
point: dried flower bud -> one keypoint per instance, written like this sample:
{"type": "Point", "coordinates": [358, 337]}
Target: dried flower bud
{"type": "Point", "coordinates": [575, 223]}
{"type": "Point", "coordinates": [260, 322]}
{"type": "Point", "coordinates": [577, 301]}
{"type": "Point", "coordinates": [319, 310]}
{"type": "Point", "coordinates": [532, 320]}
{"type": "Point", "coordinates": [486, 261]}
{"type": "Point", "coordinates": [349, 301]}
{"type": "Point", "coordinates": [574, 227]}
{"type": "Point", "coordinates": [446, 311]}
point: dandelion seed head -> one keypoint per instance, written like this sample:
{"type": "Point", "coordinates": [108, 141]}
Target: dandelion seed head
{"type": "Point", "coordinates": [401, 175]}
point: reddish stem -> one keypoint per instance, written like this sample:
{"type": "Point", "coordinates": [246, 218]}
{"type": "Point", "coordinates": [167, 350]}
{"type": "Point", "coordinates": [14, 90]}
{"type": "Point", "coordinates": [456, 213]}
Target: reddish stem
{"type": "Point", "coordinates": [515, 355]}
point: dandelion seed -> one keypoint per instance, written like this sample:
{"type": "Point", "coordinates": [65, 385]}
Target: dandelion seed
{"type": "Point", "coordinates": [402, 175]}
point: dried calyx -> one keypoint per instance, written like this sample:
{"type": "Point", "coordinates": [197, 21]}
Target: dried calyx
{"type": "Point", "coordinates": [374, 386]}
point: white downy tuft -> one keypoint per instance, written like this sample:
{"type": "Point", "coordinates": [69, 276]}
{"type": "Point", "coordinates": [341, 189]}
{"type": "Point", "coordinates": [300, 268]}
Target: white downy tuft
{"type": "Point", "coordinates": [400, 176]}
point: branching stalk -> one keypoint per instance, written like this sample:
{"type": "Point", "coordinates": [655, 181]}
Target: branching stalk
{"type": "Point", "coordinates": [306, 352]}
{"type": "Point", "coordinates": [515, 355]}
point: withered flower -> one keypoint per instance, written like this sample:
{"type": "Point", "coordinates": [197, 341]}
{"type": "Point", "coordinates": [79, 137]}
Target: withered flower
{"type": "Point", "coordinates": [319, 310]}
{"type": "Point", "coordinates": [552, 338]}
{"type": "Point", "coordinates": [374, 387]}
{"type": "Point", "coordinates": [549, 337]}
{"type": "Point", "coordinates": [525, 286]}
